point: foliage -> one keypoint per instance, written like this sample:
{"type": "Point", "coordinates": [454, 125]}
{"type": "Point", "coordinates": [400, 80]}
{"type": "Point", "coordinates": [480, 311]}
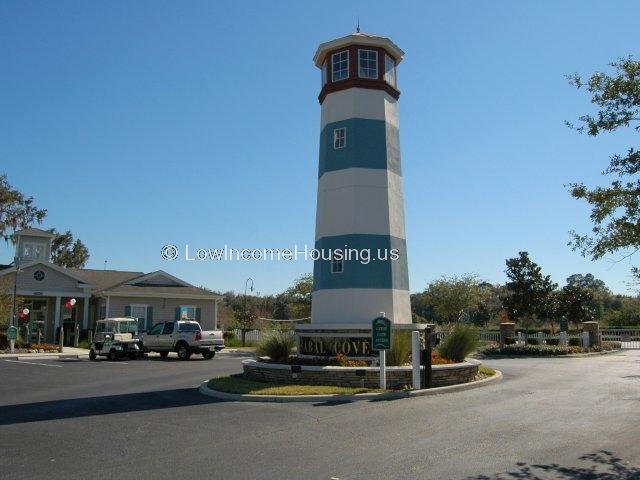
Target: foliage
{"type": "Point", "coordinates": [343, 361]}
{"type": "Point", "coordinates": [575, 342]}
{"type": "Point", "coordinates": [546, 350]}
{"type": "Point", "coordinates": [16, 210]}
{"type": "Point", "coordinates": [461, 341]}
{"type": "Point", "coordinates": [276, 345]}
{"type": "Point", "coordinates": [241, 385]}
{"type": "Point", "coordinates": [615, 209]}
{"type": "Point", "coordinates": [529, 291]}
{"type": "Point", "coordinates": [450, 299]}
{"type": "Point", "coordinates": [6, 300]}
{"type": "Point", "coordinates": [400, 349]}
{"type": "Point", "coordinates": [486, 371]}
{"type": "Point", "coordinates": [578, 304]}
{"type": "Point", "coordinates": [298, 297]}
{"type": "Point", "coordinates": [66, 252]}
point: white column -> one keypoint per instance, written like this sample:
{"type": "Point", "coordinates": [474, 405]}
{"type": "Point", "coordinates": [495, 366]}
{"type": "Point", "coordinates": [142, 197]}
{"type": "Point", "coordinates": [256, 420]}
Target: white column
{"type": "Point", "coordinates": [415, 358]}
{"type": "Point", "coordinates": [106, 310]}
{"type": "Point", "coordinates": [85, 313]}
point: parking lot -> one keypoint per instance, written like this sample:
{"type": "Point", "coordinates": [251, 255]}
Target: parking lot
{"type": "Point", "coordinates": [145, 419]}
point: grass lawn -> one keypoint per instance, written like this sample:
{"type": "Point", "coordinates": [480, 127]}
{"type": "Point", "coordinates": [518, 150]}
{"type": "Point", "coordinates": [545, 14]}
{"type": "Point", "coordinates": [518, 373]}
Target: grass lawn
{"type": "Point", "coordinates": [486, 371]}
{"type": "Point", "coordinates": [237, 384]}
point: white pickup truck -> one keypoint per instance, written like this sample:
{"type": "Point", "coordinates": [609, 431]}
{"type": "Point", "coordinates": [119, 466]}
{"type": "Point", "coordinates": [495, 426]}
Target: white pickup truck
{"type": "Point", "coordinates": [185, 337]}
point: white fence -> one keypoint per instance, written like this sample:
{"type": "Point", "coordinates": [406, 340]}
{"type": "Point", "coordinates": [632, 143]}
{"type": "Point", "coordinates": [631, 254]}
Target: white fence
{"type": "Point", "coordinates": [628, 337]}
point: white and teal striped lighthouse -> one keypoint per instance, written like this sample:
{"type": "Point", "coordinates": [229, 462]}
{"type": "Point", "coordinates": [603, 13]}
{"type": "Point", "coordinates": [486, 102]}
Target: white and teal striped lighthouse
{"type": "Point", "coordinates": [360, 203]}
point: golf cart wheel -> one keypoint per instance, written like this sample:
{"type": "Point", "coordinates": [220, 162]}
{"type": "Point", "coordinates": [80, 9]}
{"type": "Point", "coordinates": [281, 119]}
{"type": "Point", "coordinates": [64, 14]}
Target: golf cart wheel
{"type": "Point", "coordinates": [113, 356]}
{"type": "Point", "coordinates": [92, 354]}
{"type": "Point", "coordinates": [208, 355]}
{"type": "Point", "coordinates": [183, 351]}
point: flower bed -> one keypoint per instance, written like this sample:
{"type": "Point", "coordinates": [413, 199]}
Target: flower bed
{"type": "Point", "coordinates": [35, 348]}
{"type": "Point", "coordinates": [548, 350]}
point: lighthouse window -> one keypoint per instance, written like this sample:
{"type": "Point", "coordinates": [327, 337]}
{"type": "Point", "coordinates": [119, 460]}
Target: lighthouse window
{"type": "Point", "coordinates": [390, 70]}
{"type": "Point", "coordinates": [337, 266]}
{"type": "Point", "coordinates": [368, 64]}
{"type": "Point", "coordinates": [339, 138]}
{"type": "Point", "coordinates": [340, 66]}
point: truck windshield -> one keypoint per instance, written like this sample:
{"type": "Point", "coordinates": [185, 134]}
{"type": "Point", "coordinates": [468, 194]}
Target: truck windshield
{"type": "Point", "coordinates": [128, 327]}
{"type": "Point", "coordinates": [189, 327]}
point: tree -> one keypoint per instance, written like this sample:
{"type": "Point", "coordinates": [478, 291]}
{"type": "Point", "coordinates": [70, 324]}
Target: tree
{"type": "Point", "coordinates": [615, 209]}
{"type": "Point", "coordinates": [16, 210]}
{"type": "Point", "coordinates": [66, 252]}
{"type": "Point", "coordinates": [529, 291]}
{"type": "Point", "coordinates": [298, 297]}
{"type": "Point", "coordinates": [578, 303]}
{"type": "Point", "coordinates": [589, 282]}
{"type": "Point", "coordinates": [449, 299]}
{"type": "Point", "coordinates": [245, 316]}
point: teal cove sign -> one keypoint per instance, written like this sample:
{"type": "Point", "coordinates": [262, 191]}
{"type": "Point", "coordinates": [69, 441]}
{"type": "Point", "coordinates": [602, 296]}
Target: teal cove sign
{"type": "Point", "coordinates": [381, 334]}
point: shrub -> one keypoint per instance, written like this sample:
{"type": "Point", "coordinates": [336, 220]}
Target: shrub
{"type": "Point", "coordinates": [509, 341]}
{"type": "Point", "coordinates": [4, 343]}
{"type": "Point", "coordinates": [276, 345]}
{"type": "Point", "coordinates": [343, 361]}
{"type": "Point", "coordinates": [533, 341]}
{"type": "Point", "coordinates": [228, 335]}
{"type": "Point", "coordinates": [400, 349]}
{"type": "Point", "coordinates": [553, 341]}
{"type": "Point", "coordinates": [459, 343]}
{"type": "Point", "coordinates": [575, 342]}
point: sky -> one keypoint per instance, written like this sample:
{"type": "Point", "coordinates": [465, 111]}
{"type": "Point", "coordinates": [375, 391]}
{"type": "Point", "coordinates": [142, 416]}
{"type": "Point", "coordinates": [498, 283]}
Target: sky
{"type": "Point", "coordinates": [140, 124]}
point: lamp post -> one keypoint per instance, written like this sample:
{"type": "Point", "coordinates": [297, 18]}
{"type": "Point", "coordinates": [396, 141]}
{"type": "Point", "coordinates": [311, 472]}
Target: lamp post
{"type": "Point", "coordinates": [246, 283]}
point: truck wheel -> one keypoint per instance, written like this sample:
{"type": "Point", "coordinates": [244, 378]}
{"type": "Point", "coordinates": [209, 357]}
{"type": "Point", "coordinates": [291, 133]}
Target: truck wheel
{"type": "Point", "coordinates": [113, 356]}
{"type": "Point", "coordinates": [92, 354]}
{"type": "Point", "coordinates": [164, 354]}
{"type": "Point", "coordinates": [208, 355]}
{"type": "Point", "coordinates": [183, 351]}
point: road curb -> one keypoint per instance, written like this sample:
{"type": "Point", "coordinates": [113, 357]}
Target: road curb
{"type": "Point", "coordinates": [205, 390]}
{"type": "Point", "coordinates": [44, 356]}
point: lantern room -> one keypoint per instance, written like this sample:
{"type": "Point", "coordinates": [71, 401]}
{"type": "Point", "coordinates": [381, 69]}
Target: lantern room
{"type": "Point", "coordinates": [358, 60]}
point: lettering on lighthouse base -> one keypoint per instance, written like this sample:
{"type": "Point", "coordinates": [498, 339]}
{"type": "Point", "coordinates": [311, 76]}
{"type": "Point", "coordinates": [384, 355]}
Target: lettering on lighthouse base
{"type": "Point", "coordinates": [330, 347]}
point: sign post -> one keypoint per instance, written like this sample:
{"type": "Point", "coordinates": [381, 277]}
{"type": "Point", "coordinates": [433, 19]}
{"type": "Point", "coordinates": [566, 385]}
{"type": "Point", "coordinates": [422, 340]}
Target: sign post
{"type": "Point", "coordinates": [12, 335]}
{"type": "Point", "coordinates": [381, 341]}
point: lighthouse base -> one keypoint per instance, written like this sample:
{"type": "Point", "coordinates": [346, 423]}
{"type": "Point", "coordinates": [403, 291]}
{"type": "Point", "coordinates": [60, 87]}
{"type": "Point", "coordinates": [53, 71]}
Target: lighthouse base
{"type": "Point", "coordinates": [350, 340]}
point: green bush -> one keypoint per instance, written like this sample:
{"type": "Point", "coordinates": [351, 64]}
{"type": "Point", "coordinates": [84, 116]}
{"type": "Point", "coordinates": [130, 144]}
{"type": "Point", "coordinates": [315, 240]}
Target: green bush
{"type": "Point", "coordinates": [276, 345]}
{"type": "Point", "coordinates": [459, 343]}
{"type": "Point", "coordinates": [575, 342]}
{"type": "Point", "coordinates": [228, 335]}
{"type": "Point", "coordinates": [533, 341]}
{"type": "Point", "coordinates": [509, 341]}
{"type": "Point", "coordinates": [553, 341]}
{"type": "Point", "coordinates": [400, 349]}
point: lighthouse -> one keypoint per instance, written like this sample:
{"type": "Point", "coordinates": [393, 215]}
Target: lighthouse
{"type": "Point", "coordinates": [360, 206]}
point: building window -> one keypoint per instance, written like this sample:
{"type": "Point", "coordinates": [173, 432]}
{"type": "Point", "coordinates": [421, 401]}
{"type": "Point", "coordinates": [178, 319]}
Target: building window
{"type": "Point", "coordinates": [337, 266]}
{"type": "Point", "coordinates": [368, 64]}
{"type": "Point", "coordinates": [324, 73]}
{"type": "Point", "coordinates": [187, 312]}
{"type": "Point", "coordinates": [139, 312]}
{"type": "Point", "coordinates": [339, 138]}
{"type": "Point", "coordinates": [390, 70]}
{"type": "Point", "coordinates": [33, 250]}
{"type": "Point", "coordinates": [340, 66]}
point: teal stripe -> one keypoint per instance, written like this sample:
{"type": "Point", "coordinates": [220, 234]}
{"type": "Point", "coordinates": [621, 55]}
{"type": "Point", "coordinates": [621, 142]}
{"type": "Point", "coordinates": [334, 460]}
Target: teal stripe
{"type": "Point", "coordinates": [375, 274]}
{"type": "Point", "coordinates": [370, 144]}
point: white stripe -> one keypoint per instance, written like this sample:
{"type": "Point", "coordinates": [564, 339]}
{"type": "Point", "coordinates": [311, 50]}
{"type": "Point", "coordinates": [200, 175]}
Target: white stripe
{"type": "Point", "coordinates": [360, 200]}
{"type": "Point", "coordinates": [34, 363]}
{"type": "Point", "coordinates": [359, 103]}
{"type": "Point", "coordinates": [359, 305]}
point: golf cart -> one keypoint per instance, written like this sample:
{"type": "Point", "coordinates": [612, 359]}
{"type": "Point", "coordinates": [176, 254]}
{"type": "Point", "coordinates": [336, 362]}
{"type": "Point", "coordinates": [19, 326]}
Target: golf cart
{"type": "Point", "coordinates": [116, 338]}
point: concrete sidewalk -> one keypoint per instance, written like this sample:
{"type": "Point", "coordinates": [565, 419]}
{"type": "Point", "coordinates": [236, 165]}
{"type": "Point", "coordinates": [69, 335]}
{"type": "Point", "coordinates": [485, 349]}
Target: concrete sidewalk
{"type": "Point", "coordinates": [69, 353]}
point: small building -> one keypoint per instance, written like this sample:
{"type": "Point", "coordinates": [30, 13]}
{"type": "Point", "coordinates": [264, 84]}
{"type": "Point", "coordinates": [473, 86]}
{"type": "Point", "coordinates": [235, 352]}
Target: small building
{"type": "Point", "coordinates": [45, 288]}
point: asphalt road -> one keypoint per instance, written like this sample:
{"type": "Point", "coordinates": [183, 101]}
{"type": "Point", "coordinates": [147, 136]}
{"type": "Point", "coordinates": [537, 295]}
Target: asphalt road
{"type": "Point", "coordinates": [548, 418]}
